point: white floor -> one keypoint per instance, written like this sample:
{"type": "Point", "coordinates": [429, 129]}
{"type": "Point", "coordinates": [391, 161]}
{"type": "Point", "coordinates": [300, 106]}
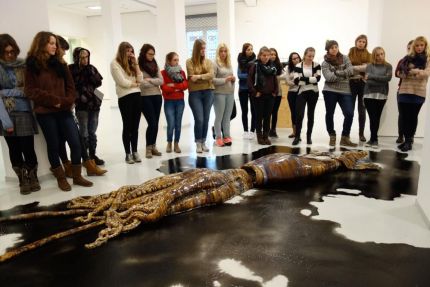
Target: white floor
{"type": "Point", "coordinates": [119, 173]}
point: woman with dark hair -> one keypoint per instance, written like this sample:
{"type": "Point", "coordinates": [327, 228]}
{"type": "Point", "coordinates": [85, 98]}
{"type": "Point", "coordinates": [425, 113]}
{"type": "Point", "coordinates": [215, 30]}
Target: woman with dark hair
{"type": "Point", "coordinates": [173, 87]}
{"type": "Point", "coordinates": [127, 76]}
{"type": "Point", "coordinates": [307, 74]}
{"type": "Point", "coordinates": [201, 97]}
{"type": "Point", "coordinates": [359, 57]}
{"type": "Point", "coordinates": [49, 84]}
{"type": "Point", "coordinates": [150, 99]}
{"type": "Point", "coordinates": [245, 59]}
{"type": "Point", "coordinates": [414, 71]}
{"type": "Point", "coordinates": [378, 74]}
{"type": "Point", "coordinates": [274, 57]}
{"type": "Point", "coordinates": [337, 69]}
{"type": "Point", "coordinates": [18, 125]}
{"type": "Point", "coordinates": [293, 60]}
{"type": "Point", "coordinates": [263, 86]}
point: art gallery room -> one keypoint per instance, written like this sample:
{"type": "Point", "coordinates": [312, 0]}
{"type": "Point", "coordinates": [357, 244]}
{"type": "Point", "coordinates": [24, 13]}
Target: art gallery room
{"type": "Point", "coordinates": [246, 198]}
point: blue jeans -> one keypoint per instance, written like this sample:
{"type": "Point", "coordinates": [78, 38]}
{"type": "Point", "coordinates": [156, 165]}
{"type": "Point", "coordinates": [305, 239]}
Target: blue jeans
{"type": "Point", "coordinates": [201, 103]}
{"type": "Point", "coordinates": [174, 109]}
{"type": "Point", "coordinates": [88, 123]}
{"type": "Point", "coordinates": [346, 103]}
{"type": "Point", "coordinates": [56, 126]}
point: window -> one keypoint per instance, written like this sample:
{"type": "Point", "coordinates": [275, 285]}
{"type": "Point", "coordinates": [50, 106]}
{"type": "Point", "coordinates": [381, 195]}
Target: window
{"type": "Point", "coordinates": [202, 27]}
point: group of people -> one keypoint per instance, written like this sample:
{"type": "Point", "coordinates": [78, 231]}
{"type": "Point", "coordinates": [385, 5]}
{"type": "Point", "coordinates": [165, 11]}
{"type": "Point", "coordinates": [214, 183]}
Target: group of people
{"type": "Point", "coordinates": [45, 90]}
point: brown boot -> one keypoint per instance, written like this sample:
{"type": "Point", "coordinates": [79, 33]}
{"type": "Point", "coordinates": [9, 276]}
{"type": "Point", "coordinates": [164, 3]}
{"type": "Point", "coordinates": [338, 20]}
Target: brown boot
{"type": "Point", "coordinates": [176, 148]}
{"type": "Point", "coordinates": [68, 168]}
{"type": "Point", "coordinates": [345, 141]}
{"type": "Point", "coordinates": [332, 140]}
{"type": "Point", "coordinates": [148, 153]}
{"type": "Point", "coordinates": [32, 178]}
{"type": "Point", "coordinates": [24, 184]}
{"type": "Point", "coordinates": [266, 139]}
{"type": "Point", "coordinates": [155, 151]}
{"type": "Point", "coordinates": [61, 178]}
{"type": "Point", "coordinates": [169, 147]}
{"type": "Point", "coordinates": [77, 176]}
{"type": "Point", "coordinates": [92, 168]}
{"type": "Point", "coordinates": [260, 139]}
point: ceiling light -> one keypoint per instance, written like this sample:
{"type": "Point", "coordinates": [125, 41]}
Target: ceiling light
{"type": "Point", "coordinates": [94, 7]}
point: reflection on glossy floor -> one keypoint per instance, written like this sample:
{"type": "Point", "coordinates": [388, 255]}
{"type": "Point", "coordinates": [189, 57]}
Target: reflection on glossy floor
{"type": "Point", "coordinates": [322, 232]}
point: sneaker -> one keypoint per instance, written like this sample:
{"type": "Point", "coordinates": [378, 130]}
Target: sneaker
{"type": "Point", "coordinates": [199, 148]}
{"type": "Point", "coordinates": [219, 142]}
{"type": "Point", "coordinates": [228, 141]}
{"type": "Point", "coordinates": [245, 135]}
{"type": "Point", "coordinates": [251, 135]}
{"type": "Point", "coordinates": [129, 158]}
{"type": "Point", "coordinates": [204, 147]}
{"type": "Point", "coordinates": [136, 157]}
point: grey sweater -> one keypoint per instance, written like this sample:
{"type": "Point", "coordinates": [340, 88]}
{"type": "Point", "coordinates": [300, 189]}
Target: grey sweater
{"type": "Point", "coordinates": [220, 73]}
{"type": "Point", "coordinates": [151, 86]}
{"type": "Point", "coordinates": [337, 77]}
{"type": "Point", "coordinates": [378, 76]}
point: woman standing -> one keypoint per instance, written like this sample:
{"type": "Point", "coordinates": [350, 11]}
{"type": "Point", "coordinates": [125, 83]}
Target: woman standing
{"type": "Point", "coordinates": [18, 124]}
{"type": "Point", "coordinates": [263, 86]}
{"type": "Point", "coordinates": [151, 96]}
{"type": "Point", "coordinates": [378, 74]}
{"type": "Point", "coordinates": [224, 94]}
{"type": "Point", "coordinates": [360, 57]}
{"type": "Point", "coordinates": [245, 59]}
{"type": "Point", "coordinates": [49, 84]}
{"type": "Point", "coordinates": [201, 97]}
{"type": "Point", "coordinates": [307, 74]}
{"type": "Point", "coordinates": [337, 69]}
{"type": "Point", "coordinates": [127, 76]}
{"type": "Point", "coordinates": [414, 71]}
{"type": "Point", "coordinates": [173, 87]}
{"type": "Point", "coordinates": [293, 60]}
{"type": "Point", "coordinates": [274, 58]}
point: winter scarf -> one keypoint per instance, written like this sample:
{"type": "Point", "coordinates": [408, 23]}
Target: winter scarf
{"type": "Point", "coordinates": [244, 61]}
{"type": "Point", "coordinates": [334, 60]}
{"type": "Point", "coordinates": [5, 81]}
{"type": "Point", "coordinates": [150, 67]}
{"type": "Point", "coordinates": [418, 61]}
{"type": "Point", "coordinates": [262, 71]}
{"type": "Point", "coordinates": [174, 73]}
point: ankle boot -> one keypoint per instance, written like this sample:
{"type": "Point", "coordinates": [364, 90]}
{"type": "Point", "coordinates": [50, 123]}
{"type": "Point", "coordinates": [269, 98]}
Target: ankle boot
{"type": "Point", "coordinates": [361, 136]}
{"type": "Point", "coordinates": [407, 145]}
{"type": "Point", "coordinates": [92, 168]}
{"type": "Point", "coordinates": [296, 140]}
{"type": "Point", "coordinates": [97, 160]}
{"type": "Point", "coordinates": [155, 151]}
{"type": "Point", "coordinates": [293, 134]}
{"type": "Point", "coordinates": [61, 178]}
{"type": "Point", "coordinates": [266, 139]}
{"type": "Point", "coordinates": [169, 147]}
{"type": "Point", "coordinates": [148, 152]}
{"type": "Point", "coordinates": [32, 178]}
{"type": "Point", "coordinates": [308, 139]}
{"type": "Point", "coordinates": [77, 176]}
{"type": "Point", "coordinates": [24, 184]}
{"type": "Point", "coordinates": [346, 141]}
{"type": "Point", "coordinates": [260, 139]}
{"type": "Point", "coordinates": [332, 141]}
{"type": "Point", "coordinates": [199, 148]}
{"type": "Point", "coordinates": [176, 148]}
{"type": "Point", "coordinates": [68, 168]}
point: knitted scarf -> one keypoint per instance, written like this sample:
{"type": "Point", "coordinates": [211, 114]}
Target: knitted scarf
{"type": "Point", "coordinates": [5, 81]}
{"type": "Point", "coordinates": [334, 60]}
{"type": "Point", "coordinates": [418, 61]}
{"type": "Point", "coordinates": [359, 56]}
{"type": "Point", "coordinates": [150, 67]}
{"type": "Point", "coordinates": [262, 71]}
{"type": "Point", "coordinates": [244, 61]}
{"type": "Point", "coordinates": [174, 73]}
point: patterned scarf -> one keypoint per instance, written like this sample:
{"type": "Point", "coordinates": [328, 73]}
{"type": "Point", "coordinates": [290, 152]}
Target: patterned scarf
{"type": "Point", "coordinates": [174, 73]}
{"type": "Point", "coordinates": [150, 67]}
{"type": "Point", "coordinates": [5, 81]}
{"type": "Point", "coordinates": [244, 61]}
{"type": "Point", "coordinates": [334, 60]}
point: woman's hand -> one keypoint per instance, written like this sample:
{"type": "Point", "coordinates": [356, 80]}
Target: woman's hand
{"type": "Point", "coordinates": [195, 78]}
{"type": "Point", "coordinates": [170, 85]}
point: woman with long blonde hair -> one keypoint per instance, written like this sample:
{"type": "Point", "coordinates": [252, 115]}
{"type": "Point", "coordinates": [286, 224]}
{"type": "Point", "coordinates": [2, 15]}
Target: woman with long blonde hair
{"type": "Point", "coordinates": [414, 71]}
{"type": "Point", "coordinates": [224, 94]}
{"type": "Point", "coordinates": [127, 76]}
{"type": "Point", "coordinates": [200, 86]}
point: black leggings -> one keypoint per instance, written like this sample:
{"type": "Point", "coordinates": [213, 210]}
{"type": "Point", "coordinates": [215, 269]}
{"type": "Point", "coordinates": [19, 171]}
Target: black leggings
{"type": "Point", "coordinates": [357, 89]}
{"type": "Point", "coordinates": [263, 110]}
{"type": "Point", "coordinates": [275, 110]}
{"type": "Point", "coordinates": [244, 97]}
{"type": "Point", "coordinates": [409, 117]}
{"type": "Point", "coordinates": [374, 109]}
{"type": "Point", "coordinates": [129, 106]}
{"type": "Point", "coordinates": [310, 98]}
{"type": "Point", "coordinates": [151, 108]}
{"type": "Point", "coordinates": [21, 151]}
{"type": "Point", "coordinates": [292, 96]}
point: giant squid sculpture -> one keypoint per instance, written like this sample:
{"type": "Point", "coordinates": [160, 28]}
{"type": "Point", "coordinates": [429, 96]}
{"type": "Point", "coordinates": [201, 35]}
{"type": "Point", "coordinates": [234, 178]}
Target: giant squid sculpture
{"type": "Point", "coordinates": [127, 207]}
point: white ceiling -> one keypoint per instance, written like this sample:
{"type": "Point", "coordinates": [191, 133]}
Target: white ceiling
{"type": "Point", "coordinates": [127, 6]}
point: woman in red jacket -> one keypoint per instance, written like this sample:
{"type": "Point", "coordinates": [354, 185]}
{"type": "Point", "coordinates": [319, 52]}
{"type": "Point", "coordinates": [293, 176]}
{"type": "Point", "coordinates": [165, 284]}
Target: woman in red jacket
{"type": "Point", "coordinates": [175, 83]}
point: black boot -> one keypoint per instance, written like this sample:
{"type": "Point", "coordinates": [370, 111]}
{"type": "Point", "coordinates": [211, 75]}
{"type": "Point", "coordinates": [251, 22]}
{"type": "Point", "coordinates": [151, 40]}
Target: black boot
{"type": "Point", "coordinates": [296, 140]}
{"type": "Point", "coordinates": [96, 159]}
{"type": "Point", "coordinates": [406, 146]}
{"type": "Point", "coordinates": [24, 184]}
{"type": "Point", "coordinates": [308, 139]}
